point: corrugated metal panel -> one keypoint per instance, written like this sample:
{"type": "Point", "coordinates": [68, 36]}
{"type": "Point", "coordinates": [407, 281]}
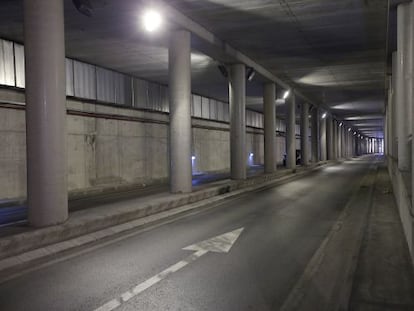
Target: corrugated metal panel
{"type": "Point", "coordinates": [105, 85]}
{"type": "Point", "coordinates": [140, 93]}
{"type": "Point", "coordinates": [255, 119]}
{"type": "Point", "coordinates": [85, 80]}
{"type": "Point", "coordinates": [69, 77]}
{"type": "Point", "coordinates": [6, 63]}
{"type": "Point", "coordinates": [123, 90]}
{"type": "Point", "coordinates": [220, 111]}
{"type": "Point", "coordinates": [213, 109]}
{"type": "Point", "coordinates": [192, 104]}
{"type": "Point", "coordinates": [19, 65]}
{"type": "Point", "coordinates": [226, 112]}
{"type": "Point", "coordinates": [249, 118]}
{"type": "Point", "coordinates": [154, 96]}
{"type": "Point", "coordinates": [282, 126]}
{"type": "Point", "coordinates": [205, 108]}
{"type": "Point", "coordinates": [164, 99]}
{"type": "Point", "coordinates": [197, 106]}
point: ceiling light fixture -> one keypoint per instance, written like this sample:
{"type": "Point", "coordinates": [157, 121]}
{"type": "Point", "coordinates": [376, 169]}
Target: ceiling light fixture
{"type": "Point", "coordinates": [223, 70]}
{"type": "Point", "coordinates": [151, 20]}
{"type": "Point", "coordinates": [83, 6]}
{"type": "Point", "coordinates": [250, 74]}
{"type": "Point", "coordinates": [324, 115]}
{"type": "Point", "coordinates": [286, 95]}
{"type": "Point", "coordinates": [340, 124]}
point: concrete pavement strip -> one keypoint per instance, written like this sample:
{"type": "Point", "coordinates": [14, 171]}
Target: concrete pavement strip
{"type": "Point", "coordinates": [327, 279]}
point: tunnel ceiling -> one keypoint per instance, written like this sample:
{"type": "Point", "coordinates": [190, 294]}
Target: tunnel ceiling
{"type": "Point", "coordinates": [332, 50]}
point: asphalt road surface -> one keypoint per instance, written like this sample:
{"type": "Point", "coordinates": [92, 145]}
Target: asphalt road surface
{"type": "Point", "coordinates": [273, 235]}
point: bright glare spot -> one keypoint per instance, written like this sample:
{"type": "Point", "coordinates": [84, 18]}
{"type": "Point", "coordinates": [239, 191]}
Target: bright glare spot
{"type": "Point", "coordinates": [193, 158]}
{"type": "Point", "coordinates": [349, 129]}
{"type": "Point", "coordinates": [340, 124]}
{"type": "Point", "coordinates": [324, 115]}
{"type": "Point", "coordinates": [251, 155]}
{"type": "Point", "coordinates": [151, 20]}
{"type": "Point", "coordinates": [286, 95]}
{"type": "Point", "coordinates": [354, 133]}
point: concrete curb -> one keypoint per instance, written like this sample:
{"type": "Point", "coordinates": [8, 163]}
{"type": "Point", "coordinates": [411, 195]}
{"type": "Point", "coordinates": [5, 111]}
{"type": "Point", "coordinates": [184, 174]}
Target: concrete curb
{"type": "Point", "coordinates": [22, 250]}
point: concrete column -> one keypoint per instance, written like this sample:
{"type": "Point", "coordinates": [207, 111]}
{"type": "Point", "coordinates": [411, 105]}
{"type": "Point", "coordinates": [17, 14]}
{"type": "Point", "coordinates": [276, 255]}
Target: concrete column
{"type": "Point", "coordinates": [304, 134]}
{"type": "Point", "coordinates": [329, 138]}
{"type": "Point", "coordinates": [269, 93]}
{"type": "Point", "coordinates": [346, 143]}
{"type": "Point", "coordinates": [339, 146]}
{"type": "Point", "coordinates": [393, 126]}
{"type": "Point", "coordinates": [408, 78]}
{"type": "Point", "coordinates": [47, 195]}
{"type": "Point", "coordinates": [401, 104]}
{"type": "Point", "coordinates": [386, 127]}
{"type": "Point", "coordinates": [355, 144]}
{"type": "Point", "coordinates": [390, 117]}
{"type": "Point", "coordinates": [322, 139]}
{"type": "Point", "coordinates": [335, 140]}
{"type": "Point", "coordinates": [315, 135]}
{"type": "Point", "coordinates": [237, 98]}
{"type": "Point", "coordinates": [179, 66]}
{"type": "Point", "coordinates": [291, 132]}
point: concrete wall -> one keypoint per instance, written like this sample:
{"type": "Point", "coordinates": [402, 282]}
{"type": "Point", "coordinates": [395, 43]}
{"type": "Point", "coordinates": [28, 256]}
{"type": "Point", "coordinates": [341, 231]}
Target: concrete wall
{"type": "Point", "coordinates": [109, 145]}
{"type": "Point", "coordinates": [401, 188]}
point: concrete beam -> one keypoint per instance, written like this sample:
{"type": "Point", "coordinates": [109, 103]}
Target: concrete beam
{"type": "Point", "coordinates": [226, 49]}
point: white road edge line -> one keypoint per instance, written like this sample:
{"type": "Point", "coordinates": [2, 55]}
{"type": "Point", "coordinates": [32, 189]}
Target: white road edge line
{"type": "Point", "coordinates": [117, 302]}
{"type": "Point", "coordinates": [219, 244]}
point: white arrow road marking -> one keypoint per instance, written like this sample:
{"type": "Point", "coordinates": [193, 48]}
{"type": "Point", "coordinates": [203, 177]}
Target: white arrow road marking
{"type": "Point", "coordinates": [218, 244]}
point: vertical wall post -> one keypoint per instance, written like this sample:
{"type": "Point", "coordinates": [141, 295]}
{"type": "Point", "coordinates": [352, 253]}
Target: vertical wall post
{"type": "Point", "coordinates": [269, 95]}
{"type": "Point", "coordinates": [47, 194]}
{"type": "Point", "coordinates": [179, 63]}
{"type": "Point", "coordinates": [304, 134]}
{"type": "Point", "coordinates": [237, 98]}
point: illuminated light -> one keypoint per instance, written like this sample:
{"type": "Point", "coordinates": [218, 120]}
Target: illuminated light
{"type": "Point", "coordinates": [349, 129]}
{"type": "Point", "coordinates": [340, 124]}
{"type": "Point", "coordinates": [286, 95]}
{"type": "Point", "coordinates": [324, 115]}
{"type": "Point", "coordinates": [151, 20]}
{"type": "Point", "coordinates": [193, 158]}
{"type": "Point", "coordinates": [354, 133]}
{"type": "Point", "coordinates": [251, 155]}
{"type": "Point", "coordinates": [250, 74]}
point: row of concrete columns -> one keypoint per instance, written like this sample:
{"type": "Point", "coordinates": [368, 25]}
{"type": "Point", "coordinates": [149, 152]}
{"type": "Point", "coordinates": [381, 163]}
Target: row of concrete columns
{"type": "Point", "coordinates": [399, 108]}
{"type": "Point", "coordinates": [46, 117]}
